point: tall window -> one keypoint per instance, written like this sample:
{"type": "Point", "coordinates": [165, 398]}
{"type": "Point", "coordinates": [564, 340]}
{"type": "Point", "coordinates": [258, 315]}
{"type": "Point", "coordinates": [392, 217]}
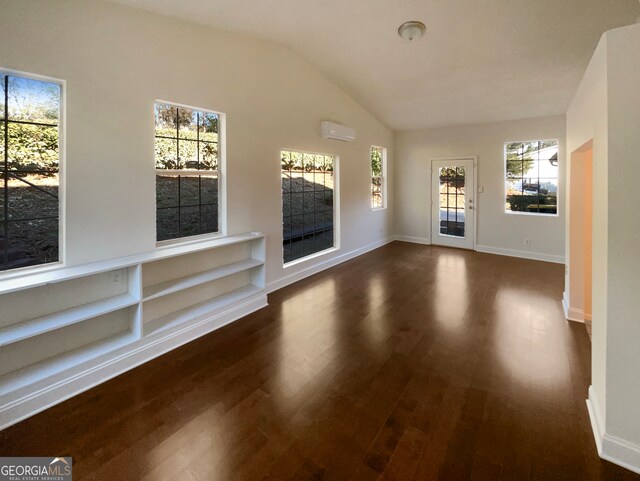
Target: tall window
{"type": "Point", "coordinates": [378, 177]}
{"type": "Point", "coordinates": [532, 177]}
{"type": "Point", "coordinates": [29, 149]}
{"type": "Point", "coordinates": [307, 203]}
{"type": "Point", "coordinates": [187, 163]}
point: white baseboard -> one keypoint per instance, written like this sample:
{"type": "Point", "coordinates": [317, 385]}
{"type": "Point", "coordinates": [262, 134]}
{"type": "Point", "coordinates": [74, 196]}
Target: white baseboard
{"type": "Point", "coordinates": [415, 240]}
{"type": "Point", "coordinates": [575, 315]}
{"type": "Point", "coordinates": [32, 399]}
{"type": "Point", "coordinates": [321, 266]}
{"type": "Point", "coordinates": [621, 452]}
{"type": "Point", "coordinates": [611, 448]}
{"type": "Point", "coordinates": [565, 304]}
{"type": "Point", "coordinates": [571, 313]}
{"type": "Point", "coordinates": [597, 424]}
{"type": "Point", "coordinates": [536, 256]}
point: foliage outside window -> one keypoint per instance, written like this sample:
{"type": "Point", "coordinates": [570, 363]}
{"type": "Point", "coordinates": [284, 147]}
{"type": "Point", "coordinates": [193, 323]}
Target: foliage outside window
{"type": "Point", "coordinates": [532, 177]}
{"type": "Point", "coordinates": [378, 181]}
{"type": "Point", "coordinates": [29, 149]}
{"type": "Point", "coordinates": [307, 203]}
{"type": "Point", "coordinates": [187, 145]}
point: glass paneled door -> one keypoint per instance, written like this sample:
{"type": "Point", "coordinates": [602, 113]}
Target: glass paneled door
{"type": "Point", "coordinates": [453, 203]}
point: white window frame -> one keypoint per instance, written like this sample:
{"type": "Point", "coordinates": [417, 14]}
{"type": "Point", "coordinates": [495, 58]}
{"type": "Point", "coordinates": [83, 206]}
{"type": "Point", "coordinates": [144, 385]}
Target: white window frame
{"type": "Point", "coordinates": [383, 177]}
{"type": "Point", "coordinates": [504, 179]}
{"type": "Point", "coordinates": [62, 224]}
{"type": "Point", "coordinates": [336, 207]}
{"type": "Point", "coordinates": [221, 173]}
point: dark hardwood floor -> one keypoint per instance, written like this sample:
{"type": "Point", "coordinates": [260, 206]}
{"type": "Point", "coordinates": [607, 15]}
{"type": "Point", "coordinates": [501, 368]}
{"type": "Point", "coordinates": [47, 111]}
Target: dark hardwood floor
{"type": "Point", "coordinates": [407, 363]}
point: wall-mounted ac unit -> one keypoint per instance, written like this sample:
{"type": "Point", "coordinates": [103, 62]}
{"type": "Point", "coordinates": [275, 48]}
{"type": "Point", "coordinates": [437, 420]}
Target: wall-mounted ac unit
{"type": "Point", "coordinates": [330, 130]}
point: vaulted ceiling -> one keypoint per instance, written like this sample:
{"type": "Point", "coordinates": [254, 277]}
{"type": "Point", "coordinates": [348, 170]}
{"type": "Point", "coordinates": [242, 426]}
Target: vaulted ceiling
{"type": "Point", "coordinates": [480, 60]}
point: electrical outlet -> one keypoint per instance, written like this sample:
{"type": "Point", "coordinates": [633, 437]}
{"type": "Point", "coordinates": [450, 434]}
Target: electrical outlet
{"type": "Point", "coordinates": [527, 243]}
{"type": "Point", "coordinates": [116, 278]}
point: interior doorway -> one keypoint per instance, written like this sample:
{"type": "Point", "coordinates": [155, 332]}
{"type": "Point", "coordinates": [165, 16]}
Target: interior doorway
{"type": "Point", "coordinates": [581, 234]}
{"type": "Point", "coordinates": [453, 202]}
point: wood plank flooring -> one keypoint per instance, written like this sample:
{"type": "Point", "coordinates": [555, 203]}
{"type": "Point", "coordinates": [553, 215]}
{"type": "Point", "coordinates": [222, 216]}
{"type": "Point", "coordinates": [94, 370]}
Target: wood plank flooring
{"type": "Point", "coordinates": [408, 363]}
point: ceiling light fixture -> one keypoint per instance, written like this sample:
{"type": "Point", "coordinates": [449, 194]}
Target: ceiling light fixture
{"type": "Point", "coordinates": [412, 30]}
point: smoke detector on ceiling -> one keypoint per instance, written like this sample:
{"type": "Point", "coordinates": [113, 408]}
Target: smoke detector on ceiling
{"type": "Point", "coordinates": [412, 30]}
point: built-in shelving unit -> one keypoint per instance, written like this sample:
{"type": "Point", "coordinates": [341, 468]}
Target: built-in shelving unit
{"type": "Point", "coordinates": [200, 310]}
{"type": "Point", "coordinates": [64, 330]}
{"type": "Point", "coordinates": [175, 285]}
{"type": "Point", "coordinates": [24, 330]}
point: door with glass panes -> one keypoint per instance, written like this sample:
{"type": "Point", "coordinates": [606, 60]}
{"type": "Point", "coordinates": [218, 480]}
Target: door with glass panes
{"type": "Point", "coordinates": [453, 203]}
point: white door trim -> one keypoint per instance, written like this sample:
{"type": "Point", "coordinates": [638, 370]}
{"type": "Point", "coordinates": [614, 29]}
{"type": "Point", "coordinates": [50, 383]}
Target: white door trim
{"type": "Point", "coordinates": [474, 158]}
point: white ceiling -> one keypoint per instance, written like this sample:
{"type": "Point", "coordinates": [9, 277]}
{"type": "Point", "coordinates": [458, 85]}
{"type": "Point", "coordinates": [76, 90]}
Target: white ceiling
{"type": "Point", "coordinates": [480, 60]}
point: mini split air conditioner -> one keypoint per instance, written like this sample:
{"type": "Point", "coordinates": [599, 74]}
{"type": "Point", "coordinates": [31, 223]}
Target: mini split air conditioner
{"type": "Point", "coordinates": [330, 130]}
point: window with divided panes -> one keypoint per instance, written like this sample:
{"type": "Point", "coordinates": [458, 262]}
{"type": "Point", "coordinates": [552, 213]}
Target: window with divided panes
{"type": "Point", "coordinates": [29, 187]}
{"type": "Point", "coordinates": [187, 146]}
{"type": "Point", "coordinates": [532, 177]}
{"type": "Point", "coordinates": [308, 185]}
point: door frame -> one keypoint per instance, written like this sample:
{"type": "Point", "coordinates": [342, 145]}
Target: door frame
{"type": "Point", "coordinates": [474, 158]}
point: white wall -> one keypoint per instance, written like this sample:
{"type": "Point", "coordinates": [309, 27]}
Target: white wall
{"type": "Point", "coordinates": [606, 108]}
{"type": "Point", "coordinates": [623, 307]}
{"type": "Point", "coordinates": [496, 230]}
{"type": "Point", "coordinates": [117, 61]}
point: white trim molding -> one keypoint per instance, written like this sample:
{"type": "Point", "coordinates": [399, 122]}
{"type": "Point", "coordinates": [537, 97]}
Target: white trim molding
{"type": "Point", "coordinates": [571, 313]}
{"type": "Point", "coordinates": [597, 424]}
{"type": "Point", "coordinates": [414, 240]}
{"type": "Point", "coordinates": [321, 266]}
{"type": "Point", "coordinates": [611, 448]}
{"type": "Point", "coordinates": [621, 452]}
{"type": "Point", "coordinates": [536, 256]}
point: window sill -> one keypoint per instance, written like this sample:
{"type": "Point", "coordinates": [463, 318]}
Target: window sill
{"type": "Point", "coordinates": [534, 214]}
{"type": "Point", "coordinates": [184, 241]}
{"type": "Point", "coordinates": [310, 257]}
{"type": "Point", "coordinates": [30, 270]}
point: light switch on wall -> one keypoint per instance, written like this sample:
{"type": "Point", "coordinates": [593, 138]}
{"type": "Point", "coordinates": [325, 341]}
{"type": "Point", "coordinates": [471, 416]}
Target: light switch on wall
{"type": "Point", "coordinates": [480, 189]}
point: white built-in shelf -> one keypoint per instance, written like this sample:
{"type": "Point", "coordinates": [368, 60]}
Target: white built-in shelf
{"type": "Point", "coordinates": [175, 285]}
{"type": "Point", "coordinates": [49, 367]}
{"type": "Point", "coordinates": [40, 325]}
{"type": "Point", "coordinates": [196, 311]}
{"type": "Point", "coordinates": [11, 282]}
{"type": "Point", "coordinates": [95, 327]}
